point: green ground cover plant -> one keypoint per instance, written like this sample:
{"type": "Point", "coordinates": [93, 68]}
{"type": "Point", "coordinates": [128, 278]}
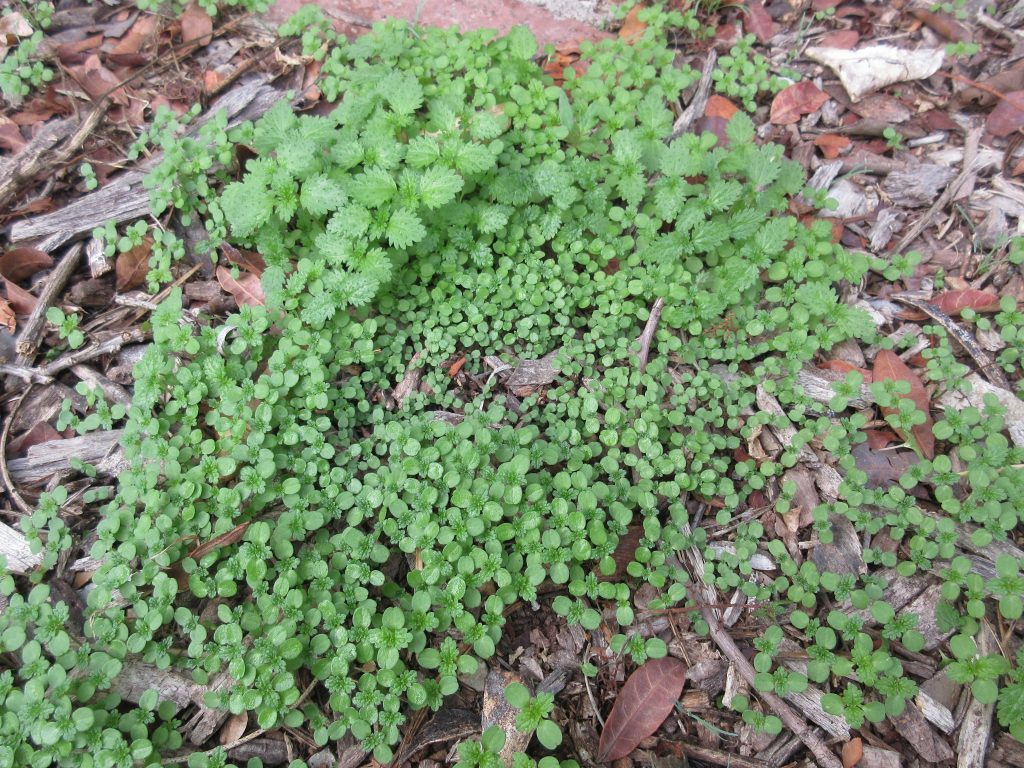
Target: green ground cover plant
{"type": "Point", "coordinates": [343, 558]}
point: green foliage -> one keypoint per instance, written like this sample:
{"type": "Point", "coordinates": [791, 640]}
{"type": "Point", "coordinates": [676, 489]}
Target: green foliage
{"type": "Point", "coordinates": [67, 326]}
{"type": "Point", "coordinates": [744, 74]}
{"type": "Point", "coordinates": [285, 522]}
{"type": "Point", "coordinates": [21, 70]}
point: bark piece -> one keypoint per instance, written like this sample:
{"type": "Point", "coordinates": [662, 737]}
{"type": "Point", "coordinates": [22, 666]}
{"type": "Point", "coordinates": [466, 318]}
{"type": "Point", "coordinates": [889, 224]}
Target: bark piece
{"type": "Point", "coordinates": [919, 185]}
{"type": "Point", "coordinates": [531, 375]}
{"type": "Point", "coordinates": [844, 553]}
{"type": "Point", "coordinates": [817, 385]}
{"type": "Point", "coordinates": [497, 711]}
{"type": "Point", "coordinates": [46, 459]}
{"type": "Point", "coordinates": [913, 727]}
{"type": "Point", "coordinates": [14, 548]}
{"type": "Point", "coordinates": [874, 757]}
{"type": "Point", "coordinates": [1014, 416]}
{"type": "Point", "coordinates": [924, 607]}
{"type": "Point", "coordinates": [271, 751]}
{"type": "Point", "coordinates": [976, 728]}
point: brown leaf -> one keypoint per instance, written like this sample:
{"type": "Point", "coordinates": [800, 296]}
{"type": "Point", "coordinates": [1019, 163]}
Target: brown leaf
{"type": "Point", "coordinates": [853, 751]}
{"type": "Point", "coordinates": [831, 144]}
{"type": "Point", "coordinates": [841, 38]}
{"type": "Point", "coordinates": [250, 261]}
{"type": "Point", "coordinates": [16, 25]}
{"type": "Point", "coordinates": [632, 28]}
{"type": "Point", "coordinates": [889, 366]}
{"type": "Point", "coordinates": [233, 728]}
{"type": "Point", "coordinates": [641, 707]}
{"type": "Point", "coordinates": [41, 432]}
{"type": "Point", "coordinates": [11, 138]}
{"type": "Point", "coordinates": [942, 23]}
{"type": "Point", "coordinates": [1008, 115]}
{"type": "Point", "coordinates": [954, 302]}
{"type": "Point", "coordinates": [78, 51]}
{"type": "Point", "coordinates": [246, 289]}
{"type": "Point", "coordinates": [21, 300]}
{"type": "Point", "coordinates": [719, 106]}
{"type": "Point", "coordinates": [142, 32]}
{"type": "Point", "coordinates": [799, 99]}
{"type": "Point", "coordinates": [132, 266]}
{"type": "Point", "coordinates": [7, 318]}
{"type": "Point", "coordinates": [223, 540]}
{"type": "Point", "coordinates": [196, 25]}
{"type": "Point", "coordinates": [97, 81]}
{"type": "Point", "coordinates": [19, 263]}
{"type": "Point", "coordinates": [759, 22]}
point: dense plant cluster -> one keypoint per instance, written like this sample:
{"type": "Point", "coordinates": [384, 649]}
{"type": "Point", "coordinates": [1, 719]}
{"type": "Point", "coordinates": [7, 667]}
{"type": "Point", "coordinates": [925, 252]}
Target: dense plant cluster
{"type": "Point", "coordinates": [344, 557]}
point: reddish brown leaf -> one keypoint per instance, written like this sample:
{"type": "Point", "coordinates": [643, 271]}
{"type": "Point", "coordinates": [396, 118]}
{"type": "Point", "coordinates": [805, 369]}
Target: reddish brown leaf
{"type": "Point", "coordinates": [798, 99]}
{"type": "Point", "coordinates": [642, 705]}
{"type": "Point", "coordinates": [41, 432]}
{"type": "Point", "coordinates": [97, 81]}
{"type": "Point", "coordinates": [853, 751]}
{"type": "Point", "coordinates": [455, 367]}
{"type": "Point", "coordinates": [7, 318]}
{"type": "Point", "coordinates": [234, 727]}
{"type": "Point", "coordinates": [19, 263]}
{"type": "Point", "coordinates": [719, 106]}
{"type": "Point", "coordinates": [954, 302]}
{"type": "Point", "coordinates": [1008, 115]}
{"type": "Point", "coordinates": [246, 289]}
{"type": "Point", "coordinates": [632, 28]}
{"type": "Point", "coordinates": [831, 144]}
{"type": "Point", "coordinates": [21, 301]}
{"type": "Point", "coordinates": [841, 38]}
{"type": "Point", "coordinates": [140, 35]}
{"type": "Point", "coordinates": [78, 51]}
{"type": "Point", "coordinates": [11, 138]}
{"type": "Point", "coordinates": [889, 366]}
{"type": "Point", "coordinates": [759, 22]}
{"type": "Point", "coordinates": [250, 261]}
{"type": "Point", "coordinates": [883, 468]}
{"type": "Point", "coordinates": [942, 23]}
{"type": "Point", "coordinates": [880, 438]}
{"type": "Point", "coordinates": [196, 25]}
{"type": "Point", "coordinates": [715, 125]}
{"type": "Point", "coordinates": [223, 540]}
{"type": "Point", "coordinates": [132, 266]}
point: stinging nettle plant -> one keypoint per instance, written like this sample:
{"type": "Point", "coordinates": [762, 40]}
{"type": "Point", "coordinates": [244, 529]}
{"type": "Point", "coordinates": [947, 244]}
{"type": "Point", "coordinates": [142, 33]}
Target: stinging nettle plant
{"type": "Point", "coordinates": [339, 560]}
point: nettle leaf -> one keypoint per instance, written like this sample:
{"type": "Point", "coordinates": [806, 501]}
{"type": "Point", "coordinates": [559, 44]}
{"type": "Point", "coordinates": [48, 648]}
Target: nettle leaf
{"type": "Point", "coordinates": [402, 93]}
{"type": "Point", "coordinates": [373, 187]}
{"type": "Point", "coordinates": [422, 151]}
{"type": "Point", "coordinates": [473, 159]}
{"type": "Point", "coordinates": [740, 129]}
{"type": "Point", "coordinates": [405, 228]}
{"type": "Point", "coordinates": [320, 195]}
{"type": "Point", "coordinates": [438, 186]}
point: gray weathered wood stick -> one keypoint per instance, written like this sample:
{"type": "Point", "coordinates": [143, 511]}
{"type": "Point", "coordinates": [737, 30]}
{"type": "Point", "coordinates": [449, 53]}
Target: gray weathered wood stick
{"type": "Point", "coordinates": [43, 159]}
{"type": "Point", "coordinates": [699, 101]}
{"type": "Point", "coordinates": [109, 346]}
{"type": "Point", "coordinates": [28, 339]}
{"type": "Point", "coordinates": [794, 722]}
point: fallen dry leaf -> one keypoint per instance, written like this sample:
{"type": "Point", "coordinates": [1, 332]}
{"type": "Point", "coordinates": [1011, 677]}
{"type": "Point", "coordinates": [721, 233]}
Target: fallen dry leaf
{"type": "Point", "coordinates": [642, 705]}
{"type": "Point", "coordinates": [719, 106]}
{"type": "Point", "coordinates": [20, 263]}
{"type": "Point", "coordinates": [233, 728]}
{"type": "Point", "coordinates": [831, 144]}
{"type": "Point", "coordinates": [955, 302]}
{"type": "Point", "coordinates": [843, 39]}
{"type": "Point", "coordinates": [853, 751]}
{"type": "Point", "coordinates": [196, 25]}
{"type": "Point", "coordinates": [759, 22]}
{"type": "Point", "coordinates": [7, 317]}
{"type": "Point", "coordinates": [796, 100]}
{"type": "Point", "coordinates": [97, 81]}
{"type": "Point", "coordinates": [245, 290]}
{"type": "Point", "coordinates": [20, 300]}
{"type": "Point", "coordinates": [250, 261]}
{"type": "Point", "coordinates": [875, 66]}
{"type": "Point", "coordinates": [140, 35]}
{"type": "Point", "coordinates": [132, 266]}
{"type": "Point", "coordinates": [1008, 115]}
{"type": "Point", "coordinates": [632, 28]}
{"type": "Point", "coordinates": [10, 137]}
{"type": "Point", "coordinates": [40, 432]}
{"type": "Point", "coordinates": [889, 366]}
{"type": "Point", "coordinates": [14, 24]}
